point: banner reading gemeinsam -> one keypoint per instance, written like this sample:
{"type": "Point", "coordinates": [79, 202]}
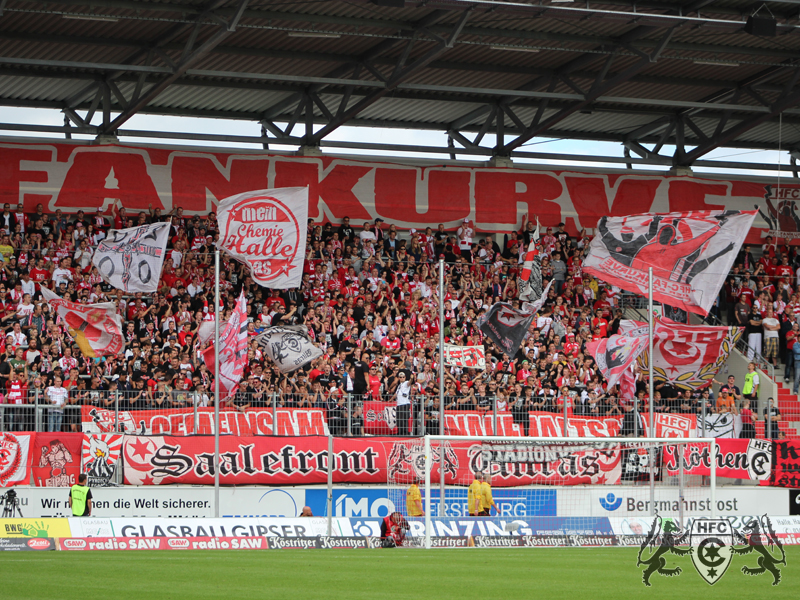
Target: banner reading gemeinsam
{"type": "Point", "coordinates": [266, 229]}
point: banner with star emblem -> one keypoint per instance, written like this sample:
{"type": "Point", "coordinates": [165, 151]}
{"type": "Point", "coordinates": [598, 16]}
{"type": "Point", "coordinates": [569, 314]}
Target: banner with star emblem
{"type": "Point", "coordinates": [686, 356]}
{"type": "Point", "coordinates": [233, 350]}
{"type": "Point", "coordinates": [131, 259]}
{"type": "Point", "coordinates": [505, 326]}
{"type": "Point", "coordinates": [96, 328]}
{"type": "Point", "coordinates": [690, 253]}
{"type": "Point", "coordinates": [266, 230]}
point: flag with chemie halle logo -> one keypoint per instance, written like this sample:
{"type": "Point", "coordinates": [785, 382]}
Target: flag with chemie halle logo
{"type": "Point", "coordinates": [266, 230]}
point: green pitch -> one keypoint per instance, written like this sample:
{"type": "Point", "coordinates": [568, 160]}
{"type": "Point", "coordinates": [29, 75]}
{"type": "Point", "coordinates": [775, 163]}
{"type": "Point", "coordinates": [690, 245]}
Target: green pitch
{"type": "Point", "coordinates": [571, 573]}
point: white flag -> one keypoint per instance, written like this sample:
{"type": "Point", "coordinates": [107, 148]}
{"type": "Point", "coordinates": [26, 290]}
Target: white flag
{"type": "Point", "coordinates": [266, 229]}
{"type": "Point", "coordinates": [691, 254]}
{"type": "Point", "coordinates": [131, 259]}
{"type": "Point", "coordinates": [289, 346]}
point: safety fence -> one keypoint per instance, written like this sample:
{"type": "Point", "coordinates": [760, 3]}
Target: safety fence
{"type": "Point", "coordinates": [352, 415]}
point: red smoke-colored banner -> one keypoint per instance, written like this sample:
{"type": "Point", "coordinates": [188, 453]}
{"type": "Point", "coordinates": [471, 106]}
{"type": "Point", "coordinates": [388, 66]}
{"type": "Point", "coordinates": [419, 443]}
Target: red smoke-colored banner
{"type": "Point", "coordinates": [181, 421]}
{"type": "Point", "coordinates": [302, 461]}
{"type": "Point", "coordinates": [71, 176]}
{"type": "Point", "coordinates": [57, 459]}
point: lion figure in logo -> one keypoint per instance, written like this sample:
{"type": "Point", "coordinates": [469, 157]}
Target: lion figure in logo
{"type": "Point", "coordinates": [759, 536]}
{"type": "Point", "coordinates": [664, 537]}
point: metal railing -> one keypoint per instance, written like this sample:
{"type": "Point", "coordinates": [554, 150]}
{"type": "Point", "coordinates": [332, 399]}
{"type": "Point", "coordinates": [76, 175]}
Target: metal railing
{"type": "Point", "coordinates": [346, 415]}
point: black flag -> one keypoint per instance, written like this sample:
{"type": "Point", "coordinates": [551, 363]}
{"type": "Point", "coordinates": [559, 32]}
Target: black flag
{"type": "Point", "coordinates": [505, 326]}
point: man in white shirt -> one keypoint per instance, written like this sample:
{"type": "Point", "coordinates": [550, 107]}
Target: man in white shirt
{"type": "Point", "coordinates": [771, 327]}
{"type": "Point", "coordinates": [28, 285]}
{"type": "Point", "coordinates": [465, 233]}
{"type": "Point", "coordinates": [62, 274]}
{"type": "Point", "coordinates": [366, 234]}
{"type": "Point", "coordinates": [402, 389]}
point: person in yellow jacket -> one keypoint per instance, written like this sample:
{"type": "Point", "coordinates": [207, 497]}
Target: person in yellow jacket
{"type": "Point", "coordinates": [474, 496]}
{"type": "Point", "coordinates": [487, 502]}
{"type": "Point", "coordinates": [80, 498]}
{"type": "Point", "coordinates": [414, 500]}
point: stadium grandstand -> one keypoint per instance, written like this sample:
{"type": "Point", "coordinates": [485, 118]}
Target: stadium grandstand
{"type": "Point", "coordinates": [316, 336]}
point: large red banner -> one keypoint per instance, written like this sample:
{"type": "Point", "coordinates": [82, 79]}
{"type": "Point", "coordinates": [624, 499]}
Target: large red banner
{"type": "Point", "coordinates": [57, 459]}
{"type": "Point", "coordinates": [73, 176]}
{"type": "Point", "coordinates": [181, 421]}
{"type": "Point", "coordinates": [735, 458]}
{"type": "Point", "coordinates": [302, 461]}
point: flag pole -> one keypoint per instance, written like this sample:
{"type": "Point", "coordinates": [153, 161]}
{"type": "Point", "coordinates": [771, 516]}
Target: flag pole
{"type": "Point", "coordinates": [441, 387]}
{"type": "Point", "coordinates": [216, 383]}
{"type": "Point", "coordinates": [652, 433]}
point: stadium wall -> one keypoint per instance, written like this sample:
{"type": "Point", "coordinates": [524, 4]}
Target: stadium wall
{"type": "Point", "coordinates": [374, 501]}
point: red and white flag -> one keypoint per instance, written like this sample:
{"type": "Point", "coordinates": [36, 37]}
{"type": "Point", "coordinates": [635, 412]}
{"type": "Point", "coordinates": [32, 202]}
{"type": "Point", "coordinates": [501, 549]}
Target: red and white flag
{"type": "Point", "coordinates": [530, 284]}
{"type": "Point", "coordinates": [266, 229]}
{"type": "Point", "coordinates": [686, 356]}
{"type": "Point", "coordinates": [16, 452]}
{"type": "Point", "coordinates": [233, 350]}
{"type": "Point", "coordinates": [97, 328]}
{"type": "Point", "coordinates": [615, 355]}
{"type": "Point", "coordinates": [691, 253]}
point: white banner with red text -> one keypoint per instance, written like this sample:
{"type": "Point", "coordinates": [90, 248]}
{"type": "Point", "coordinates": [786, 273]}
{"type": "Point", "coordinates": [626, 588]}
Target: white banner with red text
{"type": "Point", "coordinates": [464, 357]}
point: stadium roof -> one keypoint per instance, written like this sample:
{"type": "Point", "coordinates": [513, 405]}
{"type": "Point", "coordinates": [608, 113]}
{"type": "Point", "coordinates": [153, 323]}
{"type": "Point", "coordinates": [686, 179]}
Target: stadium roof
{"type": "Point", "coordinates": [494, 75]}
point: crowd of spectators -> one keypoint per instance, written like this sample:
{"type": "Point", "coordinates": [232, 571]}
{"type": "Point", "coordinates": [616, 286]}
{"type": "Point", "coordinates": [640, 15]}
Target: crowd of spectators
{"type": "Point", "coordinates": [369, 299]}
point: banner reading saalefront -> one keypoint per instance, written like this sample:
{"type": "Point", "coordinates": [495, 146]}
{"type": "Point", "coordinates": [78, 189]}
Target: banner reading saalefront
{"type": "Point", "coordinates": [690, 253]}
{"type": "Point", "coordinates": [181, 421]}
{"type": "Point", "coordinates": [304, 461]}
{"type": "Point", "coordinates": [465, 357]}
{"type": "Point", "coordinates": [686, 356]}
{"type": "Point", "coordinates": [266, 229]}
{"type": "Point", "coordinates": [131, 259]}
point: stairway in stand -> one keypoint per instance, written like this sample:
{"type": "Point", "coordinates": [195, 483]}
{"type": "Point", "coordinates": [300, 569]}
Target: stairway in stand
{"type": "Point", "coordinates": [788, 404]}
